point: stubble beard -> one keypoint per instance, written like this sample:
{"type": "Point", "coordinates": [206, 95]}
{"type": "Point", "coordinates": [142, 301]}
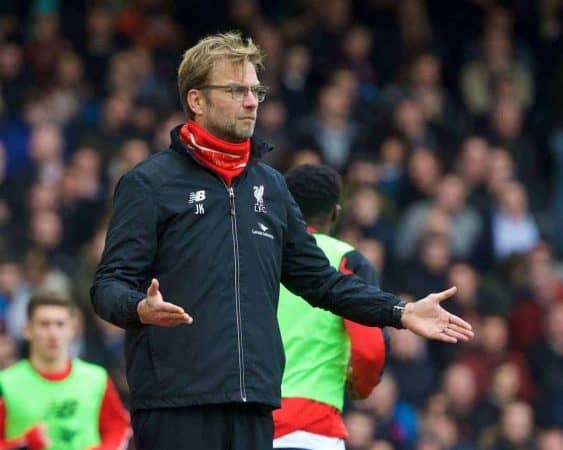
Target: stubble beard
{"type": "Point", "coordinates": [234, 131]}
{"type": "Point", "coordinates": [231, 130]}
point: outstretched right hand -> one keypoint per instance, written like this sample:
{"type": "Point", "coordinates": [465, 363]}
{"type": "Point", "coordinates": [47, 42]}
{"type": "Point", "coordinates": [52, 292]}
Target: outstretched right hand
{"type": "Point", "coordinates": [153, 310]}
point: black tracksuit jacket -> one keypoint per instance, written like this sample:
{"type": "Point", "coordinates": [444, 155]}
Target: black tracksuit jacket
{"type": "Point", "coordinates": [220, 253]}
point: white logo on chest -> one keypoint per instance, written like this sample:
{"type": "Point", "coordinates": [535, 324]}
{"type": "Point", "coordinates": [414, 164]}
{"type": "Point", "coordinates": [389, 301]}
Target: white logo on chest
{"type": "Point", "coordinates": [259, 196]}
{"type": "Point", "coordinates": [263, 231]}
{"type": "Point", "coordinates": [197, 197]}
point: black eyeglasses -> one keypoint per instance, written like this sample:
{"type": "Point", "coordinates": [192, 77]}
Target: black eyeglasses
{"type": "Point", "coordinates": [239, 91]}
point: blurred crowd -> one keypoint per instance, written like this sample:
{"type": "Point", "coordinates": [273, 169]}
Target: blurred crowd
{"type": "Point", "coordinates": [445, 120]}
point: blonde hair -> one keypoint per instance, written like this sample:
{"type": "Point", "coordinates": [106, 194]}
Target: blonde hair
{"type": "Point", "coordinates": [198, 60]}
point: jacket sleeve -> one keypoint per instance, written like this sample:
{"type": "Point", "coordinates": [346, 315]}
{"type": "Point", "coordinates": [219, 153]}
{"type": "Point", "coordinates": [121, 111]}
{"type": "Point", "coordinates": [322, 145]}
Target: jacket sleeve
{"type": "Point", "coordinates": [307, 273]}
{"type": "Point", "coordinates": [124, 272]}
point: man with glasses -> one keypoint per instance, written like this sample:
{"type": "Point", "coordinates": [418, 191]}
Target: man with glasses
{"type": "Point", "coordinates": [206, 228]}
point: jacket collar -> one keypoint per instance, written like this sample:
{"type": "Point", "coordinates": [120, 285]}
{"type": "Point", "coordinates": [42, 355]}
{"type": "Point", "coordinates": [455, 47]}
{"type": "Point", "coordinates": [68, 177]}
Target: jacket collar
{"type": "Point", "coordinates": [258, 147]}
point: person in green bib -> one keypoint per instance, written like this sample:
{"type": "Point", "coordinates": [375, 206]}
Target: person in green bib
{"type": "Point", "coordinates": [324, 352]}
{"type": "Point", "coordinates": [52, 402]}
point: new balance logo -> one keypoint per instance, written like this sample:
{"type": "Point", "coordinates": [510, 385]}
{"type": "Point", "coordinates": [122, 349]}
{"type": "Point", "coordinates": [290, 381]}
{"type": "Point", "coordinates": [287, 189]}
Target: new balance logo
{"type": "Point", "coordinates": [196, 197]}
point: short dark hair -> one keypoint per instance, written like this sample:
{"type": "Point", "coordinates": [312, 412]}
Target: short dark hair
{"type": "Point", "coordinates": [315, 188]}
{"type": "Point", "coordinates": [48, 298]}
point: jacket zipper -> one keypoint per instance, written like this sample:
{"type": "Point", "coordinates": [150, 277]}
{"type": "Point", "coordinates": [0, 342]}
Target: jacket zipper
{"type": "Point", "coordinates": [232, 213]}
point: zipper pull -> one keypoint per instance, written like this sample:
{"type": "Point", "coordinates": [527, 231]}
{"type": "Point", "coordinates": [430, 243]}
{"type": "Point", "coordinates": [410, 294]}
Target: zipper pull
{"type": "Point", "coordinates": [231, 201]}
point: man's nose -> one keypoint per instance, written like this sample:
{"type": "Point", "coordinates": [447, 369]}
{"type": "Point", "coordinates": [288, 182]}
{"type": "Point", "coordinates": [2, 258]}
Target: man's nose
{"type": "Point", "coordinates": [250, 100]}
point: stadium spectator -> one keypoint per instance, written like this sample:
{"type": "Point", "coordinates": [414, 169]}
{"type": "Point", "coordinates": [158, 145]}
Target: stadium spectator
{"type": "Point", "coordinates": [546, 361]}
{"type": "Point", "coordinates": [331, 129]}
{"type": "Point", "coordinates": [450, 196]}
{"type": "Point", "coordinates": [483, 80]}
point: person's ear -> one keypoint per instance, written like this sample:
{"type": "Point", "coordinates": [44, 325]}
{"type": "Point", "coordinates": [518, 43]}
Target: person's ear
{"type": "Point", "coordinates": [196, 101]}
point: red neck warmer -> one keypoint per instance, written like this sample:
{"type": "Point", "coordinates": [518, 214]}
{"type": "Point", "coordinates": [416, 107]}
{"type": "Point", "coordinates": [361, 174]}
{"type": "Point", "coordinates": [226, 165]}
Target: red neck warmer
{"type": "Point", "coordinates": [226, 159]}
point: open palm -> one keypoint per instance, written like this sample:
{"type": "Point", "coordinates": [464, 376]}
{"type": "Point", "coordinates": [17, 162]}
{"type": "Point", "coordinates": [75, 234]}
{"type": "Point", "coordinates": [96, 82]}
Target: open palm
{"type": "Point", "coordinates": [428, 319]}
{"type": "Point", "coordinates": [153, 310]}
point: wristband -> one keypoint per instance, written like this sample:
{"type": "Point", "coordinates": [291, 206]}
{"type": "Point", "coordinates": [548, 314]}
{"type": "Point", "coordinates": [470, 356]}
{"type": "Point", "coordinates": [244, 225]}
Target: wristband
{"type": "Point", "coordinates": [397, 314]}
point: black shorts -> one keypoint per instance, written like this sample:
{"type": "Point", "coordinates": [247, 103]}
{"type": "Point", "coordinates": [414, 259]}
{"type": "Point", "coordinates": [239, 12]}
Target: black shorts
{"type": "Point", "coordinates": [229, 426]}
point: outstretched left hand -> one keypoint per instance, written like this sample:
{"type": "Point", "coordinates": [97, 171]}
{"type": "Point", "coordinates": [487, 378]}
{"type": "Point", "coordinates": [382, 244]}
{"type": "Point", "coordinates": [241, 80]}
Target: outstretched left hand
{"type": "Point", "coordinates": [428, 319]}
